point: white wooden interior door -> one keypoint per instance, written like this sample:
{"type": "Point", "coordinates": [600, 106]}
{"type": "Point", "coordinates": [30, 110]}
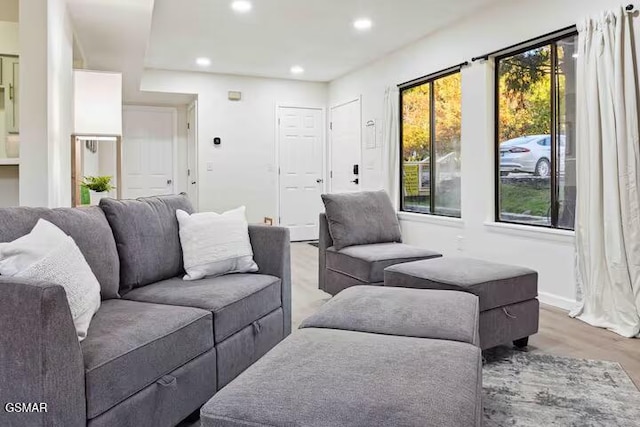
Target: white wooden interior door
{"type": "Point", "coordinates": [148, 151]}
{"type": "Point", "coordinates": [345, 147]}
{"type": "Point", "coordinates": [301, 180]}
{"type": "Point", "coordinates": [192, 155]}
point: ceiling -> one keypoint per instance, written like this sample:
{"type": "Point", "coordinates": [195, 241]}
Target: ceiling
{"type": "Point", "coordinates": [278, 34]}
{"type": "Point", "coordinates": [133, 35]}
{"type": "Point", "coordinates": [112, 35]}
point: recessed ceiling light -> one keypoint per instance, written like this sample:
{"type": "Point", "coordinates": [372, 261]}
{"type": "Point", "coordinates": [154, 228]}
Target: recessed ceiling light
{"type": "Point", "coordinates": [296, 69]}
{"type": "Point", "coordinates": [362, 24]}
{"type": "Point", "coordinates": [203, 62]}
{"type": "Point", "coordinates": [241, 6]}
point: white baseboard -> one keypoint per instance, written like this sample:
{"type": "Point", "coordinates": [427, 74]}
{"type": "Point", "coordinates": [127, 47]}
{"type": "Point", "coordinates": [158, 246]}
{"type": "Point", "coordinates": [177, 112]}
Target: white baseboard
{"type": "Point", "coordinates": [556, 301]}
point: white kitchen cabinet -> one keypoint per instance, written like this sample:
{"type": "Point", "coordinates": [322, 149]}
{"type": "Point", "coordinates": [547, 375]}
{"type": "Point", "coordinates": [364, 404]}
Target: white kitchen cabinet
{"type": "Point", "coordinates": [9, 80]}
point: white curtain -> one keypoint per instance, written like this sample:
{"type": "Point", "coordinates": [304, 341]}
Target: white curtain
{"type": "Point", "coordinates": [391, 144]}
{"type": "Point", "coordinates": [608, 164]}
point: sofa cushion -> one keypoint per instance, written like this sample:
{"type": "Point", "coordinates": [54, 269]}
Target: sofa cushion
{"type": "Point", "coordinates": [401, 312]}
{"type": "Point", "coordinates": [236, 300]}
{"type": "Point", "coordinates": [367, 262]}
{"type": "Point", "coordinates": [146, 235]}
{"type": "Point", "coordinates": [325, 377]}
{"type": "Point", "coordinates": [130, 345]}
{"type": "Point", "coordinates": [361, 218]}
{"type": "Point", "coordinates": [495, 284]}
{"type": "Point", "coordinates": [87, 226]}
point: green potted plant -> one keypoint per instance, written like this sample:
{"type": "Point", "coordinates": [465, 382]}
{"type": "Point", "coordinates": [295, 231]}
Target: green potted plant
{"type": "Point", "coordinates": [98, 187]}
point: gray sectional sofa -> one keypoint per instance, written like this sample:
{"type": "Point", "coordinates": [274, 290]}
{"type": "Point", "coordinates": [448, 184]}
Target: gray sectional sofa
{"type": "Point", "coordinates": [159, 347]}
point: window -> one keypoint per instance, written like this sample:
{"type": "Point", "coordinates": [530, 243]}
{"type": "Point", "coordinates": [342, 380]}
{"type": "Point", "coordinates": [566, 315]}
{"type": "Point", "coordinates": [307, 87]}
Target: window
{"type": "Point", "coordinates": [430, 145]}
{"type": "Point", "coordinates": [535, 136]}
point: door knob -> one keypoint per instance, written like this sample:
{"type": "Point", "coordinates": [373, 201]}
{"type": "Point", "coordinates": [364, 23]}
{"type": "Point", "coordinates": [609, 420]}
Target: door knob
{"type": "Point", "coordinates": [169, 181]}
{"type": "Point", "coordinates": [356, 181]}
{"type": "Point", "coordinates": [319, 180]}
{"type": "Point", "coordinates": [193, 183]}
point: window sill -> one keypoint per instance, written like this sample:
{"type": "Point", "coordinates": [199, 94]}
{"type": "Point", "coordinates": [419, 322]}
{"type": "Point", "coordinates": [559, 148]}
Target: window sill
{"type": "Point", "coordinates": [431, 219]}
{"type": "Point", "coordinates": [551, 234]}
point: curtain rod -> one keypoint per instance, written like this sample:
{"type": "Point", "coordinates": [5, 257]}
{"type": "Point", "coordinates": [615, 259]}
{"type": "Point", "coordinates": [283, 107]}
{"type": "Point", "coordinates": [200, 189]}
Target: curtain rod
{"type": "Point", "coordinates": [530, 41]}
{"type": "Point", "coordinates": [629, 8]}
{"type": "Point", "coordinates": [432, 76]}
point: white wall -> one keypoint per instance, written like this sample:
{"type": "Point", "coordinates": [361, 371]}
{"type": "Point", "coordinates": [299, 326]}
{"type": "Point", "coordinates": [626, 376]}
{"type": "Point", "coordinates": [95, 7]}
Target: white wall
{"type": "Point", "coordinates": [507, 23]}
{"type": "Point", "coordinates": [244, 165]}
{"type": "Point", "coordinates": [46, 106]}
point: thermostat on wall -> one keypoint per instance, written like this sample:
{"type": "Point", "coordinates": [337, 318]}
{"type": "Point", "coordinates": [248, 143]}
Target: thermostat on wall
{"type": "Point", "coordinates": [235, 95]}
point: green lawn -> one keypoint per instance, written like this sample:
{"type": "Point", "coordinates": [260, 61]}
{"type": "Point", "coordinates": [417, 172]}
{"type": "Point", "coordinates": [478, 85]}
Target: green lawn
{"type": "Point", "coordinates": [523, 199]}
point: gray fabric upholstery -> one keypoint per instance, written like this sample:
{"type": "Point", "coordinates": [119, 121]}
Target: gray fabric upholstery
{"type": "Point", "coordinates": [402, 312]}
{"type": "Point", "coordinates": [367, 262]}
{"type": "Point", "coordinates": [241, 350]}
{"type": "Point", "coordinates": [87, 226]}
{"type": "Point", "coordinates": [336, 282]}
{"type": "Point", "coordinates": [130, 345]}
{"type": "Point", "coordinates": [272, 253]}
{"type": "Point", "coordinates": [236, 300]}
{"type": "Point", "coordinates": [503, 325]}
{"type": "Point", "coordinates": [147, 237]}
{"type": "Point", "coordinates": [40, 357]}
{"type": "Point", "coordinates": [495, 284]}
{"type": "Point", "coordinates": [167, 401]}
{"type": "Point", "coordinates": [361, 218]}
{"type": "Point", "coordinates": [320, 377]}
{"type": "Point", "coordinates": [324, 243]}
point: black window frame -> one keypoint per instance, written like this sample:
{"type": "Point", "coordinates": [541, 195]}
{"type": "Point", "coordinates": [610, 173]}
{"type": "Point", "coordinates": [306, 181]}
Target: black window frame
{"type": "Point", "coordinates": [515, 50]}
{"type": "Point", "coordinates": [429, 79]}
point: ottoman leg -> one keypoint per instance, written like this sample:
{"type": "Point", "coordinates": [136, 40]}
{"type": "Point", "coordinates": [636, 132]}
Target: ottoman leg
{"type": "Point", "coordinates": [522, 342]}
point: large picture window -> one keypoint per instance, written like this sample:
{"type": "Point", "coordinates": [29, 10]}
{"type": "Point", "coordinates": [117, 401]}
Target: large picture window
{"type": "Point", "coordinates": [430, 145]}
{"type": "Point", "coordinates": [535, 134]}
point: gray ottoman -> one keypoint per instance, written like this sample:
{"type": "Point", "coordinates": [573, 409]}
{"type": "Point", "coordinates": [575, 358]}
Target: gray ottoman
{"type": "Point", "coordinates": [509, 309]}
{"type": "Point", "coordinates": [372, 356]}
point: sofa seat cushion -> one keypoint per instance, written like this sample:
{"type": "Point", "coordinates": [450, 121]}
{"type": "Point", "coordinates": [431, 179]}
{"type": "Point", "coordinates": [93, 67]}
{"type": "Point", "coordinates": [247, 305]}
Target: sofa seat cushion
{"type": "Point", "coordinates": [236, 300]}
{"type": "Point", "coordinates": [401, 312]}
{"type": "Point", "coordinates": [367, 262]}
{"type": "Point", "coordinates": [325, 377]}
{"type": "Point", "coordinates": [495, 284]}
{"type": "Point", "coordinates": [130, 345]}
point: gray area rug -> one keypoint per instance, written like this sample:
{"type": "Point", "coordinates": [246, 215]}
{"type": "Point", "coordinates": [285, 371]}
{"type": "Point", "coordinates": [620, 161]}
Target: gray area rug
{"type": "Point", "coordinates": [533, 389]}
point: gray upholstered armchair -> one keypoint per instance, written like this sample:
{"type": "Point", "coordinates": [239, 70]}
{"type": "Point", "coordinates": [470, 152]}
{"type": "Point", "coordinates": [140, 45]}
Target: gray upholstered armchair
{"type": "Point", "coordinates": [360, 237]}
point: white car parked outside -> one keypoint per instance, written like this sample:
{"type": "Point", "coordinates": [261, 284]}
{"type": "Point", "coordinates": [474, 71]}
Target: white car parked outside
{"type": "Point", "coordinates": [530, 154]}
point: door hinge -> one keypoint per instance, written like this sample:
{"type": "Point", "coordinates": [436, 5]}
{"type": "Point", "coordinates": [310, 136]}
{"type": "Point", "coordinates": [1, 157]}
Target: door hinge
{"type": "Point", "coordinates": [188, 172]}
{"type": "Point", "coordinates": [331, 174]}
{"type": "Point", "coordinates": [188, 125]}
{"type": "Point", "coordinates": [330, 125]}
{"type": "Point", "coordinates": [278, 121]}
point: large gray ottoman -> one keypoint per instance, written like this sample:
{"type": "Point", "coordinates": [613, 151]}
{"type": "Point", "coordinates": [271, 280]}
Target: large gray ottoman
{"type": "Point", "coordinates": [509, 308]}
{"type": "Point", "coordinates": [372, 356]}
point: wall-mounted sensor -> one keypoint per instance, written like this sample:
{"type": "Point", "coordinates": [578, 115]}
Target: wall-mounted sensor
{"type": "Point", "coordinates": [235, 95]}
{"type": "Point", "coordinates": [217, 141]}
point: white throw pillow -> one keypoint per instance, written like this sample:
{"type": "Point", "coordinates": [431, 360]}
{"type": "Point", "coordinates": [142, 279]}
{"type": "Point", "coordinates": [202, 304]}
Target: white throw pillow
{"type": "Point", "coordinates": [215, 244]}
{"type": "Point", "coordinates": [48, 254]}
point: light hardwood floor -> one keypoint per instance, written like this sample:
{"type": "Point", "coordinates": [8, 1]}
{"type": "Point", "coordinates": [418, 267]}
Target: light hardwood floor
{"type": "Point", "coordinates": [559, 334]}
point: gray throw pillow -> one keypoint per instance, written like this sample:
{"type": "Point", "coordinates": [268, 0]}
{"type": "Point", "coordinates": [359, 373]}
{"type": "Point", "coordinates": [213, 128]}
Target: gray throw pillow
{"type": "Point", "coordinates": [146, 234]}
{"type": "Point", "coordinates": [361, 218]}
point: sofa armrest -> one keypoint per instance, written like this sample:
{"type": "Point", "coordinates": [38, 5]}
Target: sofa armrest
{"type": "Point", "coordinates": [272, 253]}
{"type": "Point", "coordinates": [324, 243]}
{"type": "Point", "coordinates": [40, 356]}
